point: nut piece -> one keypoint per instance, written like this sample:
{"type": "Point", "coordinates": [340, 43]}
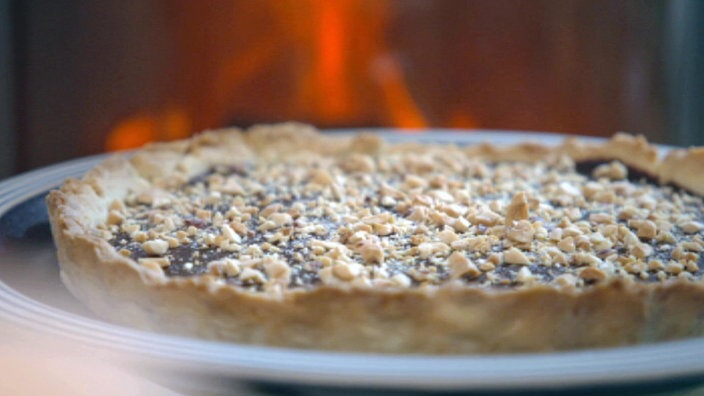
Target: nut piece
{"type": "Point", "coordinates": [525, 275]}
{"type": "Point", "coordinates": [251, 275]}
{"type": "Point", "coordinates": [383, 229]}
{"type": "Point", "coordinates": [347, 271]}
{"type": "Point", "coordinates": [515, 256]}
{"type": "Point", "coordinates": [601, 218]}
{"type": "Point", "coordinates": [613, 170]}
{"type": "Point", "coordinates": [227, 267]}
{"type": "Point", "coordinates": [359, 163]}
{"type": "Point", "coordinates": [521, 231]}
{"type": "Point", "coordinates": [447, 236]}
{"type": "Point", "coordinates": [281, 219]}
{"type": "Point", "coordinates": [230, 234]}
{"type": "Point", "coordinates": [692, 246]}
{"type": "Point", "coordinates": [583, 258]}
{"type": "Point", "coordinates": [485, 217]}
{"type": "Point", "coordinates": [460, 265]}
{"type": "Point", "coordinates": [154, 262]}
{"type": "Point", "coordinates": [271, 209]}
{"type": "Point", "coordinates": [674, 267]}
{"type": "Point", "coordinates": [556, 256]}
{"type": "Point", "coordinates": [156, 247]}
{"type": "Point", "coordinates": [401, 280]}
{"type": "Point", "coordinates": [592, 275]}
{"type": "Point", "coordinates": [427, 249]}
{"type": "Point", "coordinates": [413, 181]}
{"type": "Point", "coordinates": [518, 209]}
{"type": "Point", "coordinates": [567, 245]}
{"type": "Point", "coordinates": [692, 227]}
{"type": "Point", "coordinates": [474, 244]}
{"type": "Point", "coordinates": [115, 217]}
{"type": "Point", "coordinates": [642, 250]}
{"type": "Point", "coordinates": [371, 252]}
{"type": "Point", "coordinates": [419, 214]}
{"type": "Point", "coordinates": [566, 281]}
{"type": "Point", "coordinates": [278, 270]}
{"type": "Point", "coordinates": [646, 228]}
{"type": "Point", "coordinates": [321, 177]}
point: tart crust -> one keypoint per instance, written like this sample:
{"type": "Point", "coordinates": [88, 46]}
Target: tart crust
{"type": "Point", "coordinates": [449, 318]}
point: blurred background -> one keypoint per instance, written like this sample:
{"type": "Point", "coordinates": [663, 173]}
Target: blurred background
{"type": "Point", "coordinates": [80, 77]}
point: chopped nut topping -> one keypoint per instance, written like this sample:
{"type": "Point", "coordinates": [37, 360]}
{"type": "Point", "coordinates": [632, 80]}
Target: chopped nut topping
{"type": "Point", "coordinates": [410, 218]}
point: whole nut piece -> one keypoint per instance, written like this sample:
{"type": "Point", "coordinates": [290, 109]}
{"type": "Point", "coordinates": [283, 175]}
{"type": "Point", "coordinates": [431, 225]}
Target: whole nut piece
{"type": "Point", "coordinates": [460, 265]}
{"type": "Point", "coordinates": [515, 256]}
{"type": "Point", "coordinates": [372, 252]}
{"type": "Point", "coordinates": [518, 209]}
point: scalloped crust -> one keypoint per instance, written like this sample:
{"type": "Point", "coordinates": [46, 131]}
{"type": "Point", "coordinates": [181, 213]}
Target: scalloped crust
{"type": "Point", "coordinates": [450, 319]}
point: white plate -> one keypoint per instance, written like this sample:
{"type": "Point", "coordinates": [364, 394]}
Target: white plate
{"type": "Point", "coordinates": [28, 260]}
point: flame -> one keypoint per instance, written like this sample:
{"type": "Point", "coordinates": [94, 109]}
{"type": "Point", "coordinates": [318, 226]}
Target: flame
{"type": "Point", "coordinates": [145, 127]}
{"type": "Point", "coordinates": [402, 110]}
{"type": "Point", "coordinates": [349, 75]}
{"type": "Point", "coordinates": [322, 30]}
{"type": "Point", "coordinates": [326, 62]}
{"type": "Point", "coordinates": [329, 67]}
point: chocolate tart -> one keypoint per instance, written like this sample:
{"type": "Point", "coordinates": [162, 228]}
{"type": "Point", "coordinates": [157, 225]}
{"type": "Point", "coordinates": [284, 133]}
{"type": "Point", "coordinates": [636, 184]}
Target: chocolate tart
{"type": "Point", "coordinates": [283, 236]}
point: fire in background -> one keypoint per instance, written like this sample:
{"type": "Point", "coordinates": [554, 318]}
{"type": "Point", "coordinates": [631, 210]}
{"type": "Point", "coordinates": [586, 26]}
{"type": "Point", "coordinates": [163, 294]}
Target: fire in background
{"type": "Point", "coordinates": [406, 64]}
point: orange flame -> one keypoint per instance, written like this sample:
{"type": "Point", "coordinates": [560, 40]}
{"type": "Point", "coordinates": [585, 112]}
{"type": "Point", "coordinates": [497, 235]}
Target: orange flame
{"type": "Point", "coordinates": [330, 63]}
{"type": "Point", "coordinates": [346, 56]}
{"type": "Point", "coordinates": [402, 110]}
{"type": "Point", "coordinates": [333, 57]}
{"type": "Point", "coordinates": [142, 128]}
